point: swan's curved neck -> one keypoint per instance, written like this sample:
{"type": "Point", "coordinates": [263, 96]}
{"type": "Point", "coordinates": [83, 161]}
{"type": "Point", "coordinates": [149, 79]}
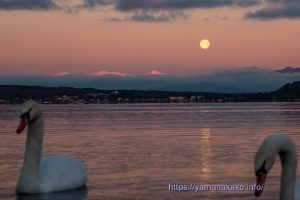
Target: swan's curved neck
{"type": "Point", "coordinates": [288, 158]}
{"type": "Point", "coordinates": [33, 151]}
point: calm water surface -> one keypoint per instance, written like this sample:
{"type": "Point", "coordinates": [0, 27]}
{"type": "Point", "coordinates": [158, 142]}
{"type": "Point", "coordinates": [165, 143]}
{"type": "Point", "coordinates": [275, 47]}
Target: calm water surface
{"type": "Point", "coordinates": [135, 151]}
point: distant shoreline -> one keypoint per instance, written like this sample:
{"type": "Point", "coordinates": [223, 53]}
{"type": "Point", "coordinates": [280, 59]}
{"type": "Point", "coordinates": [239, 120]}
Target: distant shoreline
{"type": "Point", "coordinates": [16, 94]}
{"type": "Point", "coordinates": [162, 103]}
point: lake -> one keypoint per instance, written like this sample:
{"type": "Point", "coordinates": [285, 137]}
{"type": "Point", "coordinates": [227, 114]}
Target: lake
{"type": "Point", "coordinates": [134, 151]}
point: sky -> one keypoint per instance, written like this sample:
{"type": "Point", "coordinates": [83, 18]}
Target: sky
{"type": "Point", "coordinates": [134, 37]}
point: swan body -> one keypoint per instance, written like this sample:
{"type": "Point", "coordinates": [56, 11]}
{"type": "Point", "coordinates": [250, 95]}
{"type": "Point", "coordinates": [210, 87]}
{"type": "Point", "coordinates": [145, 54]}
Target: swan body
{"type": "Point", "coordinates": [45, 174]}
{"type": "Point", "coordinates": [282, 145]}
{"type": "Point", "coordinates": [297, 190]}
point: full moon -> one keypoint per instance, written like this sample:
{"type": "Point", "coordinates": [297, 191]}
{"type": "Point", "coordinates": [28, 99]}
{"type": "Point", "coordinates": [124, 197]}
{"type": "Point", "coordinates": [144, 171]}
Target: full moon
{"type": "Point", "coordinates": [204, 44]}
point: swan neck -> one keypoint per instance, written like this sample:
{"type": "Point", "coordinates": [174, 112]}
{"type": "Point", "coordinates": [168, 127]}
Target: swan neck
{"type": "Point", "coordinates": [288, 159]}
{"type": "Point", "coordinates": [33, 151]}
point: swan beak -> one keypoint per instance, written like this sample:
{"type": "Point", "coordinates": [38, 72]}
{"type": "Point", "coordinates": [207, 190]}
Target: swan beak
{"type": "Point", "coordinates": [260, 182]}
{"type": "Point", "coordinates": [23, 124]}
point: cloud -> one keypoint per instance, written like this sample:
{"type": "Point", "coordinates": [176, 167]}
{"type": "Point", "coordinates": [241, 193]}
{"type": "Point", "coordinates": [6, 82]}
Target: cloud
{"type": "Point", "coordinates": [155, 72]}
{"type": "Point", "coordinates": [127, 5]}
{"type": "Point", "coordinates": [103, 73]}
{"type": "Point", "coordinates": [69, 6]}
{"type": "Point", "coordinates": [161, 10]}
{"type": "Point", "coordinates": [149, 16]}
{"type": "Point", "coordinates": [152, 16]}
{"type": "Point", "coordinates": [154, 11]}
{"type": "Point", "coordinates": [275, 9]}
{"type": "Point", "coordinates": [93, 3]}
{"type": "Point", "coordinates": [27, 5]}
{"type": "Point", "coordinates": [74, 6]}
{"type": "Point", "coordinates": [61, 74]}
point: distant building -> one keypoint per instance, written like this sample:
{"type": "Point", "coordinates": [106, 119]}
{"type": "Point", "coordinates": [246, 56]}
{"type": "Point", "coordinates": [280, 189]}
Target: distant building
{"type": "Point", "coordinates": [177, 99]}
{"type": "Point", "coordinates": [114, 92]}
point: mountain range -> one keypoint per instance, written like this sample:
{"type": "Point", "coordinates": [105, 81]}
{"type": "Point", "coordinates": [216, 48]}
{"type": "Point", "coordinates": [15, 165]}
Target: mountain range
{"type": "Point", "coordinates": [241, 80]}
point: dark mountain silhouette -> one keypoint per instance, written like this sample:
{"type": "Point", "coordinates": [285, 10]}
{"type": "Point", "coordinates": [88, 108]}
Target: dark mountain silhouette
{"type": "Point", "coordinates": [289, 70]}
{"type": "Point", "coordinates": [289, 91]}
{"type": "Point", "coordinates": [239, 80]}
{"type": "Point", "coordinates": [38, 92]}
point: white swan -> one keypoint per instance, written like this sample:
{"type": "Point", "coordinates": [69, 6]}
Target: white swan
{"type": "Point", "coordinates": [50, 173]}
{"type": "Point", "coordinates": [284, 146]}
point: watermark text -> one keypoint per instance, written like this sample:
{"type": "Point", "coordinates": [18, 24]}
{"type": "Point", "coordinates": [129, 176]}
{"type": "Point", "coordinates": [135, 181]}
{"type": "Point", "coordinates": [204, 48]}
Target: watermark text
{"type": "Point", "coordinates": [213, 187]}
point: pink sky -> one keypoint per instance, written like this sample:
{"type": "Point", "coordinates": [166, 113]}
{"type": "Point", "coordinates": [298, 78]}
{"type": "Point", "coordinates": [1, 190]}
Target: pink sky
{"type": "Point", "coordinates": [54, 42]}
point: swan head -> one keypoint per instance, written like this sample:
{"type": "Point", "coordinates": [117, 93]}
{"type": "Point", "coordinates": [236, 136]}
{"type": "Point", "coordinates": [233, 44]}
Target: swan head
{"type": "Point", "coordinates": [30, 111]}
{"type": "Point", "coordinates": [264, 161]}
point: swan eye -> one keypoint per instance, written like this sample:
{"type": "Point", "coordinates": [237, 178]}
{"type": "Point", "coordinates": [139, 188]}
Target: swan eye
{"type": "Point", "coordinates": [27, 114]}
{"type": "Point", "coordinates": [262, 169]}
